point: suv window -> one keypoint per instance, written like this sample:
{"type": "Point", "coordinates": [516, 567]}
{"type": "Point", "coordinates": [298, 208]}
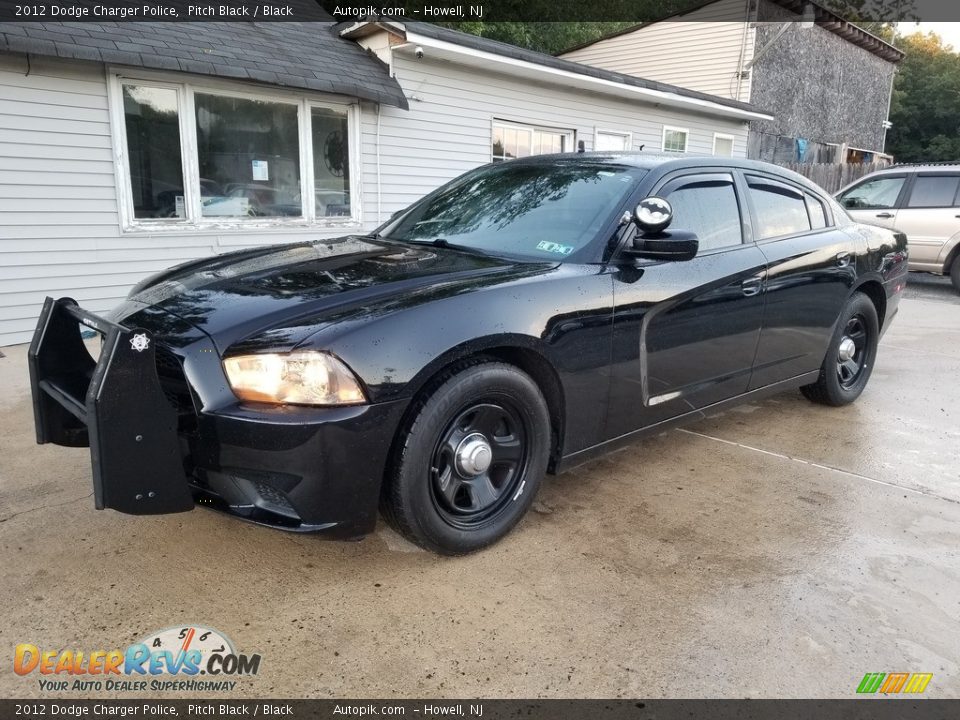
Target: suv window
{"type": "Point", "coordinates": [931, 191]}
{"type": "Point", "coordinates": [781, 210]}
{"type": "Point", "coordinates": [880, 193]}
{"type": "Point", "coordinates": [706, 205]}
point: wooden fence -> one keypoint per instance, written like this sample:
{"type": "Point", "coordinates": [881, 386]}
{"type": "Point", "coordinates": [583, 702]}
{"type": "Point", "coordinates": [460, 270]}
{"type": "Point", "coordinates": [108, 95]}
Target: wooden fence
{"type": "Point", "coordinates": [831, 177]}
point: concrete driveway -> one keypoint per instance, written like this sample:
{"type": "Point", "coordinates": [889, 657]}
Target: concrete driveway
{"type": "Point", "coordinates": [779, 549]}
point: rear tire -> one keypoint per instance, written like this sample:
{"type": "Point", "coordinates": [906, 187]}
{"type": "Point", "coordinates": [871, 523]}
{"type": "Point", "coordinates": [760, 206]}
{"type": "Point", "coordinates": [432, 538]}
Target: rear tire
{"type": "Point", "coordinates": [955, 273]}
{"type": "Point", "coordinates": [850, 356]}
{"type": "Point", "coordinates": [470, 461]}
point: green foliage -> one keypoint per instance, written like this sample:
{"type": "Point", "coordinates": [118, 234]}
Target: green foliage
{"type": "Point", "coordinates": [926, 102]}
{"type": "Point", "coordinates": [873, 15]}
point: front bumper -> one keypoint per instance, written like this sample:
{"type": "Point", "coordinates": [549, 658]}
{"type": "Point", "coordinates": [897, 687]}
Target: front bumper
{"type": "Point", "coordinates": [160, 444]}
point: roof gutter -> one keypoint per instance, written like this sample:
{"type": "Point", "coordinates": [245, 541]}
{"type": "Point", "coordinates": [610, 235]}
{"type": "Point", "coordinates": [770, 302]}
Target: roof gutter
{"type": "Point", "coordinates": [512, 65]}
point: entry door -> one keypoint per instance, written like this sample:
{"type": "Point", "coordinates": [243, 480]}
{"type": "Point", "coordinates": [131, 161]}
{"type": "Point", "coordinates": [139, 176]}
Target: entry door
{"type": "Point", "coordinates": [930, 216]}
{"type": "Point", "coordinates": [874, 201]}
{"type": "Point", "coordinates": [685, 333]}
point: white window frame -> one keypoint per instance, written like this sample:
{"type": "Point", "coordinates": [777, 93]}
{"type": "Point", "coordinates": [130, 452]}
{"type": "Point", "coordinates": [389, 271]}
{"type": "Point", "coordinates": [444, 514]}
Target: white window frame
{"type": "Point", "coordinates": [725, 136]}
{"type": "Point", "coordinates": [187, 87]}
{"type": "Point", "coordinates": [598, 131]}
{"type": "Point", "coordinates": [672, 128]}
{"type": "Point", "coordinates": [531, 128]}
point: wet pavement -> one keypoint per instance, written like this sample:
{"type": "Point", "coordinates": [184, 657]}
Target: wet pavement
{"type": "Point", "coordinates": [777, 549]}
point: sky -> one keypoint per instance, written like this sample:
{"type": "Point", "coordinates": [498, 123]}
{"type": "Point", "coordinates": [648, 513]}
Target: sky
{"type": "Point", "coordinates": [949, 31]}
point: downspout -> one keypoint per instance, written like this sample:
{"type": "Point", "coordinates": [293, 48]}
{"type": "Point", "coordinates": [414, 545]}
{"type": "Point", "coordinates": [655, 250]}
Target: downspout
{"type": "Point", "coordinates": [743, 48]}
{"type": "Point", "coordinates": [893, 81]}
{"type": "Point", "coordinates": [379, 197]}
{"type": "Point", "coordinates": [886, 122]}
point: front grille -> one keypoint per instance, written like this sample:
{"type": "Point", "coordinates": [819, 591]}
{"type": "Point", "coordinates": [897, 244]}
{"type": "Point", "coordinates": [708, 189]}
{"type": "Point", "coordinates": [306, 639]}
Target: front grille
{"type": "Point", "coordinates": [175, 387]}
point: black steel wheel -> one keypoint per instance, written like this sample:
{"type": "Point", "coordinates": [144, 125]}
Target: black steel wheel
{"type": "Point", "coordinates": [850, 356]}
{"type": "Point", "coordinates": [470, 461]}
{"type": "Point", "coordinates": [852, 351]}
{"type": "Point", "coordinates": [478, 462]}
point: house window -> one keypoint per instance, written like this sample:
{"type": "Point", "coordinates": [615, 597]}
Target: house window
{"type": "Point", "coordinates": [248, 152]}
{"type": "Point", "coordinates": [722, 145]}
{"type": "Point", "coordinates": [609, 140]}
{"type": "Point", "coordinates": [197, 155]}
{"type": "Point", "coordinates": [331, 162]}
{"type": "Point", "coordinates": [512, 140]}
{"type": "Point", "coordinates": [152, 120]}
{"type": "Point", "coordinates": [675, 139]}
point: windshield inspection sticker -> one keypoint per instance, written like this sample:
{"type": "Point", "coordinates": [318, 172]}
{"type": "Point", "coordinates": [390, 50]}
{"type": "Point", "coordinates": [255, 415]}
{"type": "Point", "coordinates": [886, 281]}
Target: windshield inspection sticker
{"type": "Point", "coordinates": [554, 248]}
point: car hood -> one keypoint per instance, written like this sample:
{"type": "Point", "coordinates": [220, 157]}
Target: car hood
{"type": "Point", "coordinates": [277, 296]}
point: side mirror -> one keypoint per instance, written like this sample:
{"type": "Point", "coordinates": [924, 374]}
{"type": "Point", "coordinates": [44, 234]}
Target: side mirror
{"type": "Point", "coordinates": [652, 216]}
{"type": "Point", "coordinates": [672, 245]}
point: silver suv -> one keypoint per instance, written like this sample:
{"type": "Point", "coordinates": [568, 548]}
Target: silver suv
{"type": "Point", "coordinates": [923, 202]}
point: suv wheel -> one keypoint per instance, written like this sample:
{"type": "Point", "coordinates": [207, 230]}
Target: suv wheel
{"type": "Point", "coordinates": [955, 273]}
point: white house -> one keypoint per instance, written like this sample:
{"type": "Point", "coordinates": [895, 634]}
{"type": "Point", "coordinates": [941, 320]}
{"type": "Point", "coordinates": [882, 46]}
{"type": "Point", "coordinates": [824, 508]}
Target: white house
{"type": "Point", "coordinates": [129, 147]}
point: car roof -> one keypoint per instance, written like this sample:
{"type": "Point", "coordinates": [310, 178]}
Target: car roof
{"type": "Point", "coordinates": [670, 161]}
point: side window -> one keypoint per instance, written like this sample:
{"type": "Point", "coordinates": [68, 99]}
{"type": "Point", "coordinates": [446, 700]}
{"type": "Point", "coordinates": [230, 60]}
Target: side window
{"type": "Point", "coordinates": [707, 206]}
{"type": "Point", "coordinates": [781, 210]}
{"type": "Point", "coordinates": [934, 191]}
{"type": "Point", "coordinates": [880, 193]}
{"type": "Point", "coordinates": [818, 216]}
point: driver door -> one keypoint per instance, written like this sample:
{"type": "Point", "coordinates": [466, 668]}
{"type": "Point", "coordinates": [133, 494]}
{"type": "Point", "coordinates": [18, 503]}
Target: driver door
{"type": "Point", "coordinates": [874, 201]}
{"type": "Point", "coordinates": [686, 332]}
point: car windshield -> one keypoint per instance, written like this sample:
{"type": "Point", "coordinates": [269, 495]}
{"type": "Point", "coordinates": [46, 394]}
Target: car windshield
{"type": "Point", "coordinates": [530, 210]}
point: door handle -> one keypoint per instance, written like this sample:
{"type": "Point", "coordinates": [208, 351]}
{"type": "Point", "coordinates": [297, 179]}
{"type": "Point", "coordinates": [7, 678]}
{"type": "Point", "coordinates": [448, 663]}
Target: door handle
{"type": "Point", "coordinates": [843, 259]}
{"type": "Point", "coordinates": [884, 215]}
{"type": "Point", "coordinates": [751, 286]}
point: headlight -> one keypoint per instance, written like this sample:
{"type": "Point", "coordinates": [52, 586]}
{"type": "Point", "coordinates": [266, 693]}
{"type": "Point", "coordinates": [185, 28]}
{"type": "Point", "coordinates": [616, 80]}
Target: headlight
{"type": "Point", "coordinates": [298, 378]}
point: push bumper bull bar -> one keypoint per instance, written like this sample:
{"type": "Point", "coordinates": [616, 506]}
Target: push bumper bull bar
{"type": "Point", "coordinates": [114, 405]}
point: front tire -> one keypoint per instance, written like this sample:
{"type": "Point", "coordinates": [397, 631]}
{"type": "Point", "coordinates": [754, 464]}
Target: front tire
{"type": "Point", "coordinates": [470, 461]}
{"type": "Point", "coordinates": [955, 273]}
{"type": "Point", "coordinates": [850, 357]}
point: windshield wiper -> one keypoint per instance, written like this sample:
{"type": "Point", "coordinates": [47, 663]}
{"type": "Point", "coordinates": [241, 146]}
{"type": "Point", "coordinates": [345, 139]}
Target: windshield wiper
{"type": "Point", "coordinates": [445, 244]}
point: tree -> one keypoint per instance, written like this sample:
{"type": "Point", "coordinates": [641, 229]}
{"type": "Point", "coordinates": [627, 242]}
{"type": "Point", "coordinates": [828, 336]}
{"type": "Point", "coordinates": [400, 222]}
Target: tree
{"type": "Point", "coordinates": [925, 110]}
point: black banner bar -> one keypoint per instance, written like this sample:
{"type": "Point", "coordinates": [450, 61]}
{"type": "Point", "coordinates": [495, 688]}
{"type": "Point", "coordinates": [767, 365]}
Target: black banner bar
{"type": "Point", "coordinates": [453, 11]}
{"type": "Point", "coordinates": [873, 708]}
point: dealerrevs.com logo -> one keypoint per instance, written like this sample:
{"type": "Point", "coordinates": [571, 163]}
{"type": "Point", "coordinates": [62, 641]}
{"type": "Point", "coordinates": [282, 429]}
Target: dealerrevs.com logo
{"type": "Point", "coordinates": [192, 658]}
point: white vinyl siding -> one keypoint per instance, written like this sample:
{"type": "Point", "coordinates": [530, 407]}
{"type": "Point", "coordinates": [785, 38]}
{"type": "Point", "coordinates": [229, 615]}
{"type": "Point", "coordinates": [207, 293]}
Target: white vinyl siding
{"type": "Point", "coordinates": [700, 52]}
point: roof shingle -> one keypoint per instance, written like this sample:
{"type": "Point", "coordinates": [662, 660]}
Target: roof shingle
{"type": "Point", "coordinates": [307, 56]}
